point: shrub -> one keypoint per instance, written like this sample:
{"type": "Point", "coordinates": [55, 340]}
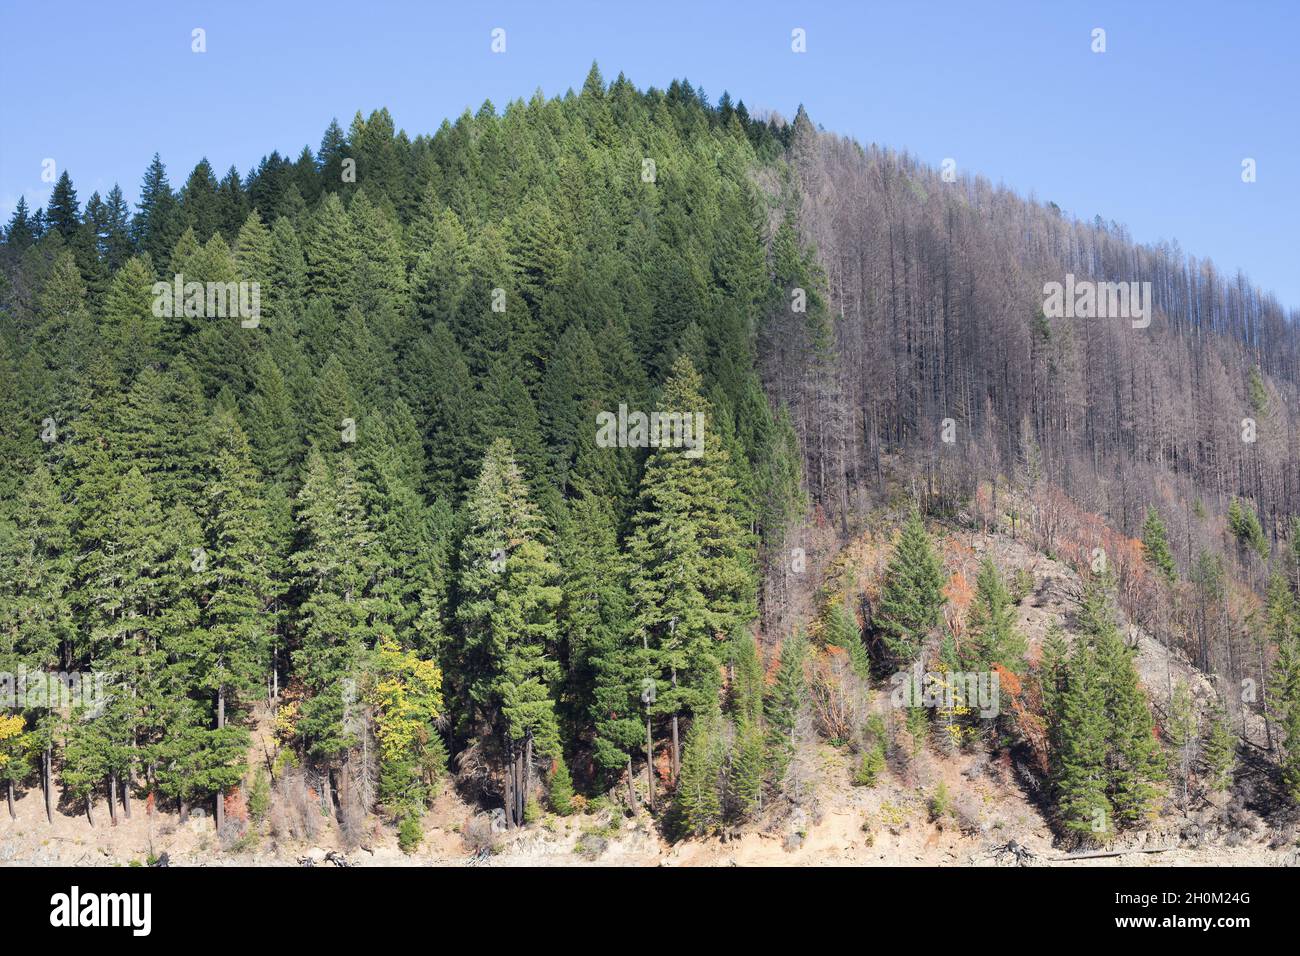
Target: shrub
{"type": "Point", "coordinates": [872, 763]}
{"type": "Point", "coordinates": [409, 833]}
{"type": "Point", "coordinates": [259, 796]}
{"type": "Point", "coordinates": [561, 792]}
{"type": "Point", "coordinates": [940, 802]}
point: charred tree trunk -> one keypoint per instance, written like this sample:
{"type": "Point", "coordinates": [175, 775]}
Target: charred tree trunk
{"type": "Point", "coordinates": [112, 799]}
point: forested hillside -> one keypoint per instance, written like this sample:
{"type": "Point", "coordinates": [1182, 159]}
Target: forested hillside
{"type": "Point", "coordinates": [518, 459]}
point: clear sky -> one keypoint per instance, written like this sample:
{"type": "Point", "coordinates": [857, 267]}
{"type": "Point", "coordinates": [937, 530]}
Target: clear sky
{"type": "Point", "coordinates": [1151, 133]}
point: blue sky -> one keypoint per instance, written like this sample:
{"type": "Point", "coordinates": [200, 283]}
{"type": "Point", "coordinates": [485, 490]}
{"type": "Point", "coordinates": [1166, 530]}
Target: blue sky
{"type": "Point", "coordinates": [1150, 133]}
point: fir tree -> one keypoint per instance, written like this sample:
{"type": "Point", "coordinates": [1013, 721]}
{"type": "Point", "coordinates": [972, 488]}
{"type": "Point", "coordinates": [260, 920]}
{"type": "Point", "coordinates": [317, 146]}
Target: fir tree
{"type": "Point", "coordinates": [1155, 547]}
{"type": "Point", "coordinates": [507, 610]}
{"type": "Point", "coordinates": [994, 639]}
{"type": "Point", "coordinates": [1219, 750]}
{"type": "Point", "coordinates": [784, 705]}
{"type": "Point", "coordinates": [1080, 779]}
{"type": "Point", "coordinates": [692, 579]}
{"type": "Point", "coordinates": [911, 600]}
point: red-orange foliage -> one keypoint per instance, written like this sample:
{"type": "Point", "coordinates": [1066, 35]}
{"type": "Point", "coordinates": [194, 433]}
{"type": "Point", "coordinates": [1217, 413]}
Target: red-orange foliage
{"type": "Point", "coordinates": [236, 805]}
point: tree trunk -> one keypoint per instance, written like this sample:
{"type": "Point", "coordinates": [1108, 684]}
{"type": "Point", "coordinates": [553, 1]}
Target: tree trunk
{"type": "Point", "coordinates": [90, 807]}
{"type": "Point", "coordinates": [520, 795]}
{"type": "Point", "coordinates": [48, 776]}
{"type": "Point", "coordinates": [528, 767]}
{"type": "Point", "coordinates": [112, 799]}
{"type": "Point", "coordinates": [126, 796]}
{"type": "Point", "coordinates": [508, 797]}
{"type": "Point", "coordinates": [631, 789]}
{"type": "Point", "coordinates": [185, 810]}
{"type": "Point", "coordinates": [677, 751]}
{"type": "Point", "coordinates": [221, 723]}
{"type": "Point", "coordinates": [650, 763]}
{"type": "Point", "coordinates": [9, 792]}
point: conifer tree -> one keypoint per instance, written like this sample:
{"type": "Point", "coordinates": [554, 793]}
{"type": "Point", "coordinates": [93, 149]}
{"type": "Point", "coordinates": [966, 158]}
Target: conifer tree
{"type": "Point", "coordinates": [699, 791]}
{"type": "Point", "coordinates": [1080, 779]}
{"type": "Point", "coordinates": [508, 598]}
{"type": "Point", "coordinates": [334, 562]}
{"type": "Point", "coordinates": [36, 613]}
{"type": "Point", "coordinates": [331, 254]}
{"type": "Point", "coordinates": [911, 600]}
{"type": "Point", "coordinates": [994, 639]}
{"type": "Point", "coordinates": [784, 704]}
{"type": "Point", "coordinates": [229, 653]}
{"type": "Point", "coordinates": [159, 223]}
{"type": "Point", "coordinates": [1219, 750]}
{"type": "Point", "coordinates": [1133, 759]}
{"type": "Point", "coordinates": [63, 214]}
{"type": "Point", "coordinates": [1284, 689]}
{"type": "Point", "coordinates": [1155, 547]}
{"type": "Point", "coordinates": [692, 580]}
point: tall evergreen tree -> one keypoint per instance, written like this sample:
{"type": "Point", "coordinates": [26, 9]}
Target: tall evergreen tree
{"type": "Point", "coordinates": [508, 599]}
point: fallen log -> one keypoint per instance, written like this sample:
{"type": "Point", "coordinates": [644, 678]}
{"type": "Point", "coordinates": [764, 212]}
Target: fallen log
{"type": "Point", "coordinates": [1103, 853]}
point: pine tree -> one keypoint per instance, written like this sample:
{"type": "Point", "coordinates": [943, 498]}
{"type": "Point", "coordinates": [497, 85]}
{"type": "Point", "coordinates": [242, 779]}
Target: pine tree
{"type": "Point", "coordinates": [21, 231]}
{"type": "Point", "coordinates": [229, 652]}
{"type": "Point", "coordinates": [1080, 780]}
{"type": "Point", "coordinates": [1284, 690]}
{"type": "Point", "coordinates": [994, 639]}
{"type": "Point", "coordinates": [911, 600]}
{"type": "Point", "coordinates": [331, 254]}
{"type": "Point", "coordinates": [1155, 547]}
{"type": "Point", "coordinates": [507, 611]}
{"type": "Point", "coordinates": [699, 791]}
{"type": "Point", "coordinates": [746, 757]}
{"type": "Point", "coordinates": [784, 705]}
{"type": "Point", "coordinates": [200, 203]}
{"type": "Point", "coordinates": [692, 579]}
{"type": "Point", "coordinates": [64, 212]}
{"type": "Point", "coordinates": [1219, 750]}
{"type": "Point", "coordinates": [36, 613]}
{"type": "Point", "coordinates": [122, 539]}
{"type": "Point", "coordinates": [334, 562]}
{"type": "Point", "coordinates": [1133, 756]}
{"type": "Point", "coordinates": [561, 789]}
{"type": "Point", "coordinates": [128, 324]}
{"type": "Point", "coordinates": [159, 223]}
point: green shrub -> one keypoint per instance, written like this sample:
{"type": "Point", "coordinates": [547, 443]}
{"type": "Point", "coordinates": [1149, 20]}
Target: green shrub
{"type": "Point", "coordinates": [409, 833]}
{"type": "Point", "coordinates": [259, 796]}
{"type": "Point", "coordinates": [940, 802]}
{"type": "Point", "coordinates": [561, 792]}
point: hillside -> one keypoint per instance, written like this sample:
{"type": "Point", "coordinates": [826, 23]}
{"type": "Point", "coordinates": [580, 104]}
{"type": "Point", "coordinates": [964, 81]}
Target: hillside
{"type": "Point", "coordinates": [590, 470]}
{"type": "Point", "coordinates": [886, 825]}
